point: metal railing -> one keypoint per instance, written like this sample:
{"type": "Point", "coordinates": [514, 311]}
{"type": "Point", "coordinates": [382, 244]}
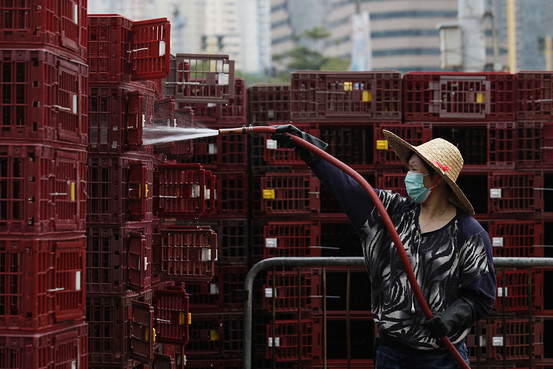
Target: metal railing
{"type": "Point", "coordinates": [336, 261]}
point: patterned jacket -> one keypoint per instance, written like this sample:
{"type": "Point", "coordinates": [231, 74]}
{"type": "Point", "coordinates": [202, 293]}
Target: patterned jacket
{"type": "Point", "coordinates": [450, 263]}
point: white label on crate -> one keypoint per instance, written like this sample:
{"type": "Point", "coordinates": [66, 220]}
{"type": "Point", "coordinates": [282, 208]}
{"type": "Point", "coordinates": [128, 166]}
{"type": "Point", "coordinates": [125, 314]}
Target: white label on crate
{"type": "Point", "coordinates": [76, 13]}
{"type": "Point", "coordinates": [143, 120]}
{"type": "Point", "coordinates": [497, 341]}
{"type": "Point", "coordinates": [500, 291]}
{"type": "Point", "coordinates": [497, 241]}
{"type": "Point", "coordinates": [495, 193]}
{"type": "Point", "coordinates": [270, 114]}
{"type": "Point", "coordinates": [161, 48]}
{"type": "Point", "coordinates": [196, 191]}
{"type": "Point", "coordinates": [175, 123]}
{"type": "Point", "coordinates": [223, 79]}
{"type": "Point", "coordinates": [211, 105]}
{"type": "Point", "coordinates": [271, 144]}
{"type": "Point", "coordinates": [207, 193]}
{"type": "Point", "coordinates": [482, 342]}
{"type": "Point", "coordinates": [73, 364]}
{"type": "Point", "coordinates": [213, 289]}
{"type": "Point", "coordinates": [75, 104]}
{"type": "Point", "coordinates": [276, 341]}
{"type": "Point", "coordinates": [206, 254]}
{"type": "Point", "coordinates": [145, 263]}
{"type": "Point", "coordinates": [271, 242]}
{"type": "Point", "coordinates": [78, 280]}
{"type": "Point", "coordinates": [212, 149]}
{"type": "Point", "coordinates": [269, 293]}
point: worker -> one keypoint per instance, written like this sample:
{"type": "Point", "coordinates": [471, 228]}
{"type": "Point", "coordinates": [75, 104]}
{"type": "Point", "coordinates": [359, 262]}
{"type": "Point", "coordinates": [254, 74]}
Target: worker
{"type": "Point", "coordinates": [449, 251]}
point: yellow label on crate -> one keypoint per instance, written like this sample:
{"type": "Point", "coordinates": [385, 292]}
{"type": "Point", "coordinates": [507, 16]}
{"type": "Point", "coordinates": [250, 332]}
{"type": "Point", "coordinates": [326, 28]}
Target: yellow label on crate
{"type": "Point", "coordinates": [154, 334]}
{"type": "Point", "coordinates": [268, 194]}
{"type": "Point", "coordinates": [146, 190]}
{"type": "Point", "coordinates": [367, 96]}
{"type": "Point", "coordinates": [348, 86]}
{"type": "Point", "coordinates": [480, 97]}
{"type": "Point", "coordinates": [182, 318]}
{"type": "Point", "coordinates": [189, 318]}
{"type": "Point", "coordinates": [73, 192]}
{"type": "Point", "coordinates": [382, 144]}
{"type": "Point", "coordinates": [213, 335]}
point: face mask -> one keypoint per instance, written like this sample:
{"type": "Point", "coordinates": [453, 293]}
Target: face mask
{"type": "Point", "coordinates": [414, 183]}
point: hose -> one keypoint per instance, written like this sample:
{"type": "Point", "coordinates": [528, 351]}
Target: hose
{"type": "Point", "coordinates": [381, 209]}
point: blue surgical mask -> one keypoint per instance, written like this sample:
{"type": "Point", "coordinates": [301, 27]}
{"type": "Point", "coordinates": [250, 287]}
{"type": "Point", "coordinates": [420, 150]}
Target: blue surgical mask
{"type": "Point", "coordinates": [414, 183]}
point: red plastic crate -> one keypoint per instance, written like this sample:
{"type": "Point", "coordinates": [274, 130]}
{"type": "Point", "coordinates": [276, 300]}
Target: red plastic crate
{"type": "Point", "coordinates": [62, 24]}
{"type": "Point", "coordinates": [42, 282]}
{"type": "Point", "coordinates": [65, 346]}
{"type": "Point", "coordinates": [182, 150]}
{"type": "Point", "coordinates": [268, 103]}
{"type": "Point", "coordinates": [339, 238]}
{"type": "Point", "coordinates": [281, 292]}
{"type": "Point", "coordinates": [515, 192]}
{"type": "Point", "coordinates": [517, 238]}
{"type": "Point", "coordinates": [516, 339]}
{"type": "Point", "coordinates": [172, 313]}
{"type": "Point", "coordinates": [44, 189]}
{"type": "Point", "coordinates": [435, 96]}
{"type": "Point", "coordinates": [217, 152]}
{"type": "Point", "coordinates": [183, 190]}
{"type": "Point", "coordinates": [109, 320]}
{"type": "Point", "coordinates": [414, 133]}
{"type": "Point", "coordinates": [200, 78]}
{"type": "Point", "coordinates": [343, 96]}
{"type": "Point", "coordinates": [352, 144]}
{"type": "Point", "coordinates": [119, 257]}
{"type": "Point", "coordinates": [288, 193]}
{"type": "Point", "coordinates": [44, 97]}
{"type": "Point", "coordinates": [478, 345]}
{"type": "Point", "coordinates": [534, 145]}
{"type": "Point", "coordinates": [392, 181]}
{"type": "Point", "coordinates": [534, 95]}
{"type": "Point", "coordinates": [120, 50]}
{"type": "Point", "coordinates": [219, 364]}
{"type": "Point", "coordinates": [515, 288]}
{"type": "Point", "coordinates": [216, 336]}
{"type": "Point", "coordinates": [290, 341]}
{"type": "Point", "coordinates": [277, 156]}
{"type": "Point", "coordinates": [232, 239]}
{"type": "Point", "coordinates": [187, 253]}
{"type": "Point", "coordinates": [117, 116]}
{"type": "Point", "coordinates": [120, 188]}
{"type": "Point", "coordinates": [232, 113]}
{"type": "Point", "coordinates": [292, 238]}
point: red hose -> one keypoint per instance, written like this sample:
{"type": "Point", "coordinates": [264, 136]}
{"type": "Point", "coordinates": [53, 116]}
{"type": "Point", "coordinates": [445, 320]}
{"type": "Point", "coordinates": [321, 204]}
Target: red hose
{"type": "Point", "coordinates": [387, 221]}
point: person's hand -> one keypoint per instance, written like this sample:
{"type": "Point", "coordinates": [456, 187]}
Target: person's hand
{"type": "Point", "coordinates": [284, 140]}
{"type": "Point", "coordinates": [458, 315]}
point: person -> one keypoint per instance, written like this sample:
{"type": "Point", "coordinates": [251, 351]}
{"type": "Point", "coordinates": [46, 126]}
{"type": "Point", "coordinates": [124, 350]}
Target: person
{"type": "Point", "coordinates": [448, 249]}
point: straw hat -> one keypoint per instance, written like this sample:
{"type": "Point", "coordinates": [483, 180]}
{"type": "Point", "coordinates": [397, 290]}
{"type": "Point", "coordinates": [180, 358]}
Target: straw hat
{"type": "Point", "coordinates": [442, 156]}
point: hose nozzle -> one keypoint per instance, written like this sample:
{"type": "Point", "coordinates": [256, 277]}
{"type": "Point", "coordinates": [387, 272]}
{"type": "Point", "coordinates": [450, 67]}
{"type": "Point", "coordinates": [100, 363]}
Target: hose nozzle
{"type": "Point", "coordinates": [240, 130]}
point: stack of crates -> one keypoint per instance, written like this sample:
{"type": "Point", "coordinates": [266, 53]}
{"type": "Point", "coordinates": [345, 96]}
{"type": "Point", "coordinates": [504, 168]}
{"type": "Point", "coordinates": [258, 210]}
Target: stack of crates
{"type": "Point", "coordinates": [501, 124]}
{"type": "Point", "coordinates": [43, 98]}
{"type": "Point", "coordinates": [131, 312]}
{"type": "Point", "coordinates": [204, 88]}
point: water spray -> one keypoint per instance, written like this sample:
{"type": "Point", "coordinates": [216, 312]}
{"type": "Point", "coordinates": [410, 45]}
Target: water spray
{"type": "Point", "coordinates": [379, 206]}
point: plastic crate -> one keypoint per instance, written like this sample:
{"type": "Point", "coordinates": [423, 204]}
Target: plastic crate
{"type": "Point", "coordinates": [183, 190]}
{"type": "Point", "coordinates": [516, 339]}
{"type": "Point", "coordinates": [478, 345]}
{"type": "Point", "coordinates": [515, 192]}
{"type": "Point", "coordinates": [534, 145]}
{"type": "Point", "coordinates": [339, 237]}
{"type": "Point", "coordinates": [232, 113]}
{"type": "Point", "coordinates": [109, 320]}
{"type": "Point", "coordinates": [292, 238]}
{"type": "Point", "coordinates": [65, 346]}
{"type": "Point", "coordinates": [519, 291]}
{"type": "Point", "coordinates": [232, 239]}
{"type": "Point", "coordinates": [216, 336]}
{"type": "Point", "coordinates": [42, 282]}
{"type": "Point", "coordinates": [534, 95]}
{"type": "Point", "coordinates": [337, 303]}
{"type": "Point", "coordinates": [290, 341]}
{"type": "Point", "coordinates": [392, 181]}
{"type": "Point", "coordinates": [293, 291]}
{"type": "Point", "coordinates": [268, 103]}
{"type": "Point", "coordinates": [44, 189]}
{"type": "Point", "coordinates": [117, 116]}
{"type": "Point", "coordinates": [119, 257]}
{"type": "Point", "coordinates": [414, 133]}
{"type": "Point", "coordinates": [350, 143]}
{"type": "Point", "coordinates": [187, 253]}
{"type": "Point", "coordinates": [120, 50]}
{"type": "Point", "coordinates": [32, 23]}
{"type": "Point", "coordinates": [217, 152]}
{"type": "Point", "coordinates": [345, 96]}
{"type": "Point", "coordinates": [231, 194]}
{"type": "Point", "coordinates": [296, 193]}
{"type": "Point", "coordinates": [120, 189]}
{"type": "Point", "coordinates": [181, 150]}
{"type": "Point", "coordinates": [278, 156]}
{"type": "Point", "coordinates": [218, 364]}
{"type": "Point", "coordinates": [44, 97]}
{"type": "Point", "coordinates": [517, 238]}
{"type": "Point", "coordinates": [200, 78]}
{"type": "Point", "coordinates": [222, 293]}
{"type": "Point", "coordinates": [435, 96]}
